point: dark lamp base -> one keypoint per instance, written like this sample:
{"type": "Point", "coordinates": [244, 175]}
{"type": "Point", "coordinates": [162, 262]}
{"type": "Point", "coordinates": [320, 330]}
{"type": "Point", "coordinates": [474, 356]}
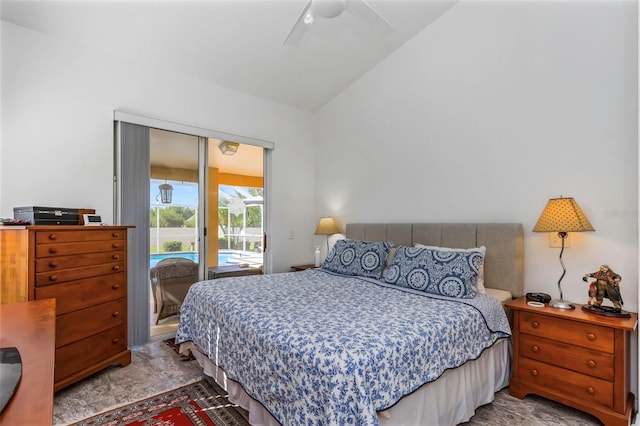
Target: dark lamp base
{"type": "Point", "coordinates": [606, 311]}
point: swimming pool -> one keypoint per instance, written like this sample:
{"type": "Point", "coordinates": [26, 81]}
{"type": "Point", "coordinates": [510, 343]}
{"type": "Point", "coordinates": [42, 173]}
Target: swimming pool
{"type": "Point", "coordinates": [224, 256]}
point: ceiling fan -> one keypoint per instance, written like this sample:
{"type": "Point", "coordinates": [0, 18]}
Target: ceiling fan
{"type": "Point", "coordinates": [331, 9]}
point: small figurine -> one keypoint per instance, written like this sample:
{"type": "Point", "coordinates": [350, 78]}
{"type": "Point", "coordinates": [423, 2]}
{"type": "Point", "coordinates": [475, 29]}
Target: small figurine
{"type": "Point", "coordinates": [593, 290]}
{"type": "Point", "coordinates": [607, 284]}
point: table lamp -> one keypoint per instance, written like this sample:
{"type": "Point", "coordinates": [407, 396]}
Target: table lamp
{"type": "Point", "coordinates": [327, 226]}
{"type": "Point", "coordinates": [562, 215]}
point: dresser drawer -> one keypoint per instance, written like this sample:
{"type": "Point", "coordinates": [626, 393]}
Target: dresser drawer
{"type": "Point", "coordinates": [82, 354]}
{"type": "Point", "coordinates": [587, 335]}
{"type": "Point", "coordinates": [64, 275]}
{"type": "Point", "coordinates": [86, 322]}
{"type": "Point", "coordinates": [581, 360]}
{"type": "Point", "coordinates": [78, 260]}
{"type": "Point", "coordinates": [46, 237]}
{"type": "Point", "coordinates": [576, 386]}
{"type": "Point", "coordinates": [82, 294]}
{"type": "Point", "coordinates": [49, 250]}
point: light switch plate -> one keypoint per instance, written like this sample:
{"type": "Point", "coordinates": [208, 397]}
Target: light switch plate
{"type": "Point", "coordinates": [556, 242]}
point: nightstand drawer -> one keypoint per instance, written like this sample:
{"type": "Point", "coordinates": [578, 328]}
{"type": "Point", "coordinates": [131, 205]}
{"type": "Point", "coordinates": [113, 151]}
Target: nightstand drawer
{"type": "Point", "coordinates": [585, 361]}
{"type": "Point", "coordinates": [587, 335]}
{"type": "Point", "coordinates": [578, 387]}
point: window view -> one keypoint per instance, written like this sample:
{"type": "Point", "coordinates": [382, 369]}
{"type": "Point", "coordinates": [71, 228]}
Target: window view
{"type": "Point", "coordinates": [240, 225]}
{"type": "Point", "coordinates": [174, 223]}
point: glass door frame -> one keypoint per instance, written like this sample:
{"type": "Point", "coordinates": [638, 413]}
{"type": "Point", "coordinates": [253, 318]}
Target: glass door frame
{"type": "Point", "coordinates": [203, 205]}
{"type": "Point", "coordinates": [138, 269]}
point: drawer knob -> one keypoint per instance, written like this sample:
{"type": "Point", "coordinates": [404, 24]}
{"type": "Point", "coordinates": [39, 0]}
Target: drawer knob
{"type": "Point", "coordinates": [116, 340]}
{"type": "Point", "coordinates": [53, 264]}
{"type": "Point", "coordinates": [535, 324]}
{"type": "Point", "coordinates": [115, 286]}
{"type": "Point", "coordinates": [116, 268]}
{"type": "Point", "coordinates": [591, 363]}
{"type": "Point", "coordinates": [115, 246]}
{"type": "Point", "coordinates": [116, 257]}
{"type": "Point", "coordinates": [53, 250]}
{"type": "Point", "coordinates": [115, 234]}
{"type": "Point", "coordinates": [115, 314]}
{"type": "Point", "coordinates": [591, 336]}
{"type": "Point", "coordinates": [535, 348]}
{"type": "Point", "coordinates": [53, 237]}
{"type": "Point", "coordinates": [590, 390]}
{"type": "Point", "coordinates": [534, 372]}
{"type": "Point", "coordinates": [53, 278]}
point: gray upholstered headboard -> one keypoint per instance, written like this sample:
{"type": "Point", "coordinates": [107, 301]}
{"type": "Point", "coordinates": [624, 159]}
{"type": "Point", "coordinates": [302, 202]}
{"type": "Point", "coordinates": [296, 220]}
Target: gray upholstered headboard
{"type": "Point", "coordinates": [504, 261]}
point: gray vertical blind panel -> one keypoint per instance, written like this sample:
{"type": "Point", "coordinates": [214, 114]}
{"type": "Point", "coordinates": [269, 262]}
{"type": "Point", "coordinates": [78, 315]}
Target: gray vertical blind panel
{"type": "Point", "coordinates": [134, 195]}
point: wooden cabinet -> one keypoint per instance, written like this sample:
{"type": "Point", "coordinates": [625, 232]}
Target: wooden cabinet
{"type": "Point", "coordinates": [575, 358]}
{"type": "Point", "coordinates": [85, 270]}
{"type": "Point", "coordinates": [32, 402]}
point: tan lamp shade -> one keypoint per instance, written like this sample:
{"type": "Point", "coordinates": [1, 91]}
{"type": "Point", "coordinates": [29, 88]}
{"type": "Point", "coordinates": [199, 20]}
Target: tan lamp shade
{"type": "Point", "coordinates": [327, 226]}
{"type": "Point", "coordinates": [562, 215]}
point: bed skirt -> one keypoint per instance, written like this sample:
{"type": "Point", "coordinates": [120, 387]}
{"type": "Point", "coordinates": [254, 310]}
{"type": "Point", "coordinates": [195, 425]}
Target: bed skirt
{"type": "Point", "coordinates": [450, 400]}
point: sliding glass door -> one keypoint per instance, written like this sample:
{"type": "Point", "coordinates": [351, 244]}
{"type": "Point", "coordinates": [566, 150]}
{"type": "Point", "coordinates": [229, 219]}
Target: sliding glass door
{"type": "Point", "coordinates": [236, 207]}
{"type": "Point", "coordinates": [175, 225]}
{"type": "Point", "coordinates": [192, 194]}
{"type": "Point", "coordinates": [221, 230]}
{"type": "Point", "coordinates": [173, 195]}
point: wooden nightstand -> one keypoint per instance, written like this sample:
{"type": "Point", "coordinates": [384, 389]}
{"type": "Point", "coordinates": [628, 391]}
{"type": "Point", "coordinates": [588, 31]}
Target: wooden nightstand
{"type": "Point", "coordinates": [575, 358]}
{"type": "Point", "coordinates": [297, 268]}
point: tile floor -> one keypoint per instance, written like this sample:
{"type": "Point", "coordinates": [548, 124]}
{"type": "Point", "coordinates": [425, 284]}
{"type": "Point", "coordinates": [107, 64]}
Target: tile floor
{"type": "Point", "coordinates": [165, 329]}
{"type": "Point", "coordinates": [156, 368]}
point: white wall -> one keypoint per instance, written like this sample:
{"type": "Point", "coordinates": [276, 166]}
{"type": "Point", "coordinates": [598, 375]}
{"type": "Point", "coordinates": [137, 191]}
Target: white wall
{"type": "Point", "coordinates": [484, 116]}
{"type": "Point", "coordinates": [56, 145]}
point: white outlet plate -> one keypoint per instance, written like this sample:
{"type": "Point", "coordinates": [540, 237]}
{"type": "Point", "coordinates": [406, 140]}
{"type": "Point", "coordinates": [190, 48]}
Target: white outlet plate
{"type": "Point", "coordinates": [556, 242]}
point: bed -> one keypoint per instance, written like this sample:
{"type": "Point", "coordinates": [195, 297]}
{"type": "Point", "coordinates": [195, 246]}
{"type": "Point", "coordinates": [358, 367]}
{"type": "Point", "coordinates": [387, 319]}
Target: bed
{"type": "Point", "coordinates": [334, 346]}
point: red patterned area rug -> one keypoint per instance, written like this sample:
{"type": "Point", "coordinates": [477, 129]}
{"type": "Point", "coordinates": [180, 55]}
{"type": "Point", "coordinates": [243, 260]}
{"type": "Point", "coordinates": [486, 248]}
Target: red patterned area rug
{"type": "Point", "coordinates": [198, 404]}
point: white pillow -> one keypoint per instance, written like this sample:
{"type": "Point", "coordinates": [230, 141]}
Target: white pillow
{"type": "Point", "coordinates": [482, 249]}
{"type": "Point", "coordinates": [502, 295]}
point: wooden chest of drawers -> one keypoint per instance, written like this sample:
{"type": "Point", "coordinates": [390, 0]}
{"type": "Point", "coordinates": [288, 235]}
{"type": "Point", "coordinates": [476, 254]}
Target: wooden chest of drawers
{"type": "Point", "coordinates": [575, 358]}
{"type": "Point", "coordinates": [85, 270]}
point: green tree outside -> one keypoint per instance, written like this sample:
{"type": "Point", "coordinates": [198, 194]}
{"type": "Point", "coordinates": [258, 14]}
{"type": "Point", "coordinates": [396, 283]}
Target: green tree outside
{"type": "Point", "coordinates": [173, 217]}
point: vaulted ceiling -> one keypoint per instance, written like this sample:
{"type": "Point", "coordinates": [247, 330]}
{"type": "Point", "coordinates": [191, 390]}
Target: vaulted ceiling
{"type": "Point", "coordinates": [237, 44]}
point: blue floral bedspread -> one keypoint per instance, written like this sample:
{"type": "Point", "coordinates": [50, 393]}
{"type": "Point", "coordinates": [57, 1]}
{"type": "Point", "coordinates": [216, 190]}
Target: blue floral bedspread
{"type": "Point", "coordinates": [317, 348]}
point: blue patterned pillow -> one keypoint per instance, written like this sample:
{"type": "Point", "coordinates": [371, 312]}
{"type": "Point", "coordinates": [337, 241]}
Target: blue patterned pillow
{"type": "Point", "coordinates": [359, 258]}
{"type": "Point", "coordinates": [444, 272]}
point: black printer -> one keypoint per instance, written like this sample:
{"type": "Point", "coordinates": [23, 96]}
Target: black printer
{"type": "Point", "coordinates": [47, 215]}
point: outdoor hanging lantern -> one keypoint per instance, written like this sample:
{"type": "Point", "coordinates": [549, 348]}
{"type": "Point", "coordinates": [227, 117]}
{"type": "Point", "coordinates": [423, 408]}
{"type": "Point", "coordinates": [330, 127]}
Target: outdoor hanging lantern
{"type": "Point", "coordinates": [166, 191]}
